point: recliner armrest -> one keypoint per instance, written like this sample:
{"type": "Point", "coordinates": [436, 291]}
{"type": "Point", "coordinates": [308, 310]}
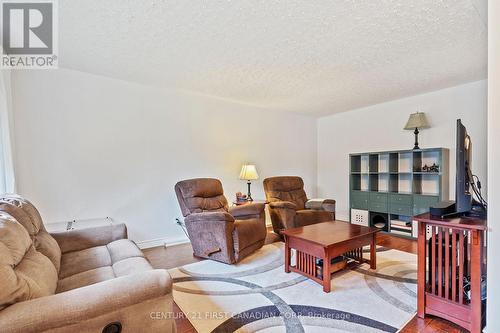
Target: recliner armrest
{"type": "Point", "coordinates": [209, 216]}
{"type": "Point", "coordinates": [250, 209]}
{"type": "Point", "coordinates": [321, 204]}
{"type": "Point", "coordinates": [82, 304]}
{"type": "Point", "coordinates": [81, 239]}
{"type": "Point", "coordinates": [210, 234]}
{"type": "Point", "coordinates": [283, 204]}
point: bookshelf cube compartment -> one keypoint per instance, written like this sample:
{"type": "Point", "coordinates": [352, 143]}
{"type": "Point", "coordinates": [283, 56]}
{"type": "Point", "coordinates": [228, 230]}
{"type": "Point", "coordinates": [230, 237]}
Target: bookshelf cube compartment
{"type": "Point", "coordinates": [364, 164]}
{"type": "Point", "coordinates": [383, 182]}
{"type": "Point", "coordinates": [373, 163]}
{"type": "Point", "coordinates": [430, 158]}
{"type": "Point", "coordinates": [393, 183]}
{"type": "Point", "coordinates": [356, 163]}
{"type": "Point", "coordinates": [373, 185]}
{"type": "Point", "coordinates": [360, 217]}
{"type": "Point", "coordinates": [405, 183]}
{"type": "Point", "coordinates": [424, 160]}
{"type": "Point", "coordinates": [393, 162]}
{"type": "Point", "coordinates": [379, 220]}
{"type": "Point", "coordinates": [383, 163]}
{"type": "Point", "coordinates": [359, 182]}
{"type": "Point", "coordinates": [426, 184]}
{"type": "Point", "coordinates": [364, 182]}
{"type": "Point", "coordinates": [405, 162]}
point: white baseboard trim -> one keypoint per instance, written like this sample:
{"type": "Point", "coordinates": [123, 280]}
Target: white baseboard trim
{"type": "Point", "coordinates": [165, 241]}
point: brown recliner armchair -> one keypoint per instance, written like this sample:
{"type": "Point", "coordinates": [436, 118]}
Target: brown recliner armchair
{"type": "Point", "coordinates": [289, 206]}
{"type": "Point", "coordinates": [216, 231]}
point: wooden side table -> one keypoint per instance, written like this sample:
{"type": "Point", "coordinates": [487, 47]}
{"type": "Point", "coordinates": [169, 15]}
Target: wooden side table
{"type": "Point", "coordinates": [451, 251]}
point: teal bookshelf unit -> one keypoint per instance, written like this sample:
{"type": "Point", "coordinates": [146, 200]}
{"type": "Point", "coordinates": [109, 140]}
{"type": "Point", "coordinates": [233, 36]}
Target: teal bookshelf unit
{"type": "Point", "coordinates": [388, 188]}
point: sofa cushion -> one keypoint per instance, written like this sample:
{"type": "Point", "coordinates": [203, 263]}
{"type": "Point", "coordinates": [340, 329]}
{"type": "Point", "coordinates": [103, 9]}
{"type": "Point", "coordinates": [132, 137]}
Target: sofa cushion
{"type": "Point", "coordinates": [131, 266]}
{"type": "Point", "coordinates": [85, 278]}
{"type": "Point", "coordinates": [28, 216]}
{"type": "Point", "coordinates": [100, 263]}
{"type": "Point", "coordinates": [310, 216]}
{"type": "Point", "coordinates": [25, 273]}
{"type": "Point", "coordinates": [123, 249]}
{"type": "Point", "coordinates": [84, 260]}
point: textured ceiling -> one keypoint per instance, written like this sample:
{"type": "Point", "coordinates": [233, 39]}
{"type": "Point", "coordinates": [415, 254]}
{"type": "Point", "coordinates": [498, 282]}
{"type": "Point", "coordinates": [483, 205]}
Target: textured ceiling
{"type": "Point", "coordinates": [316, 57]}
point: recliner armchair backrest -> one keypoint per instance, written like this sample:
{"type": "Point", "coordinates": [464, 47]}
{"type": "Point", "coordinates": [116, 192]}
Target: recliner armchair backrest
{"type": "Point", "coordinates": [286, 188]}
{"type": "Point", "coordinates": [201, 195]}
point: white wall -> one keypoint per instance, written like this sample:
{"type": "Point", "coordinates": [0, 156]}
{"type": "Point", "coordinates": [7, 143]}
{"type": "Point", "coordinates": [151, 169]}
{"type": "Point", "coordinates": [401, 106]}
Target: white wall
{"type": "Point", "coordinates": [493, 319]}
{"type": "Point", "coordinates": [89, 146]}
{"type": "Point", "coordinates": [380, 127]}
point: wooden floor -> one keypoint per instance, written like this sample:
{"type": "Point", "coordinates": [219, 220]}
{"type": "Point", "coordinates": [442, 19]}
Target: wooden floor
{"type": "Point", "coordinates": [175, 256]}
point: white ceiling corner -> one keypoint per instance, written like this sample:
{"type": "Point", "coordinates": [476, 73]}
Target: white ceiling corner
{"type": "Point", "coordinates": [315, 57]}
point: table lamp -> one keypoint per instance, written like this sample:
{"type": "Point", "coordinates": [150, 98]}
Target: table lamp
{"type": "Point", "coordinates": [249, 173]}
{"type": "Point", "coordinates": [417, 120]}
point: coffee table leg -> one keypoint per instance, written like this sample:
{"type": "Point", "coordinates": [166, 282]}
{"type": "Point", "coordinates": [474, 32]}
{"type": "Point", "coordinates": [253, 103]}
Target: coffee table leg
{"type": "Point", "coordinates": [373, 253]}
{"type": "Point", "coordinates": [326, 273]}
{"type": "Point", "coordinates": [287, 256]}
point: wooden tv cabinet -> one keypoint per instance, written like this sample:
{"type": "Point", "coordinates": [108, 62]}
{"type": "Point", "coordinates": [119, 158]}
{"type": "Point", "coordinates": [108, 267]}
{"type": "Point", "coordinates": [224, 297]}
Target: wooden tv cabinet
{"type": "Point", "coordinates": [449, 251]}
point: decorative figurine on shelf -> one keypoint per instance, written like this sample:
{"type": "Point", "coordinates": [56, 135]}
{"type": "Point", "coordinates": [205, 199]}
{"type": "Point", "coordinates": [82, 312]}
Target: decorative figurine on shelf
{"type": "Point", "coordinates": [433, 168]}
{"type": "Point", "coordinates": [240, 197]}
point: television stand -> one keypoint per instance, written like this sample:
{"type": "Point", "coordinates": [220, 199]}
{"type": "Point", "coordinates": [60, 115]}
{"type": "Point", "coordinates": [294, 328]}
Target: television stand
{"type": "Point", "coordinates": [450, 252]}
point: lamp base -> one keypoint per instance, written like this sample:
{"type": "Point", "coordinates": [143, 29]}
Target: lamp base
{"type": "Point", "coordinates": [416, 139]}
{"type": "Point", "coordinates": [249, 195]}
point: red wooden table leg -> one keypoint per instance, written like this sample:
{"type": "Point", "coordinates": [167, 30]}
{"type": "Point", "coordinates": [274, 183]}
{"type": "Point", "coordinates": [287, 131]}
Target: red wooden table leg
{"type": "Point", "coordinates": [287, 255]}
{"type": "Point", "coordinates": [373, 252]}
{"type": "Point", "coordinates": [421, 270]}
{"type": "Point", "coordinates": [326, 272]}
{"type": "Point", "coordinates": [475, 304]}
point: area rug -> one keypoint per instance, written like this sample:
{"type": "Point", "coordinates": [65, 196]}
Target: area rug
{"type": "Point", "coordinates": [256, 295]}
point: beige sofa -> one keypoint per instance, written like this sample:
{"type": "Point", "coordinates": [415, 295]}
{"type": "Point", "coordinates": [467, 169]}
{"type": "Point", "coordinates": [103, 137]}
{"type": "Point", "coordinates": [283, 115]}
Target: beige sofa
{"type": "Point", "coordinates": [88, 280]}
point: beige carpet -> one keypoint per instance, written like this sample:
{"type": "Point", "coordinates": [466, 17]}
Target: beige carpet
{"type": "Point", "coordinates": [256, 295]}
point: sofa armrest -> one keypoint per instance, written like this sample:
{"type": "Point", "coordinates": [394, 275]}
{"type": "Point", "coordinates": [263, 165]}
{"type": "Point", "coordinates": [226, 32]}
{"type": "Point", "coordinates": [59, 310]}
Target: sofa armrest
{"type": "Point", "coordinates": [80, 239]}
{"type": "Point", "coordinates": [321, 204]}
{"type": "Point", "coordinates": [82, 304]}
{"type": "Point", "coordinates": [283, 204]}
{"type": "Point", "coordinates": [249, 210]}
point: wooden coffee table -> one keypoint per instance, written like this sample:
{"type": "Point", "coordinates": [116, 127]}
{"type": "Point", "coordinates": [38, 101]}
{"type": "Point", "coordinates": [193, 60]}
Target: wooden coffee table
{"type": "Point", "coordinates": [325, 241]}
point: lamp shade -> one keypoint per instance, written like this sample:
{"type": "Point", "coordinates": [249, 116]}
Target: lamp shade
{"type": "Point", "coordinates": [417, 120]}
{"type": "Point", "coordinates": [249, 172]}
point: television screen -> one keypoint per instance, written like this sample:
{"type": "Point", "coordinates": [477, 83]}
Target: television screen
{"type": "Point", "coordinates": [463, 195]}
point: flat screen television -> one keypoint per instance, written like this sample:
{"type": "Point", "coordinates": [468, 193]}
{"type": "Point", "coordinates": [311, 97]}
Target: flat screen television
{"type": "Point", "coordinates": [463, 196]}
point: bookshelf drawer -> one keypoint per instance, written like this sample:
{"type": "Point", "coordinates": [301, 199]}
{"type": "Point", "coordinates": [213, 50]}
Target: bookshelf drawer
{"type": "Point", "coordinates": [378, 197]}
{"type": "Point", "coordinates": [421, 203]}
{"type": "Point", "coordinates": [400, 209]}
{"type": "Point", "coordinates": [379, 207]}
{"type": "Point", "coordinates": [401, 199]}
{"type": "Point", "coordinates": [359, 200]}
